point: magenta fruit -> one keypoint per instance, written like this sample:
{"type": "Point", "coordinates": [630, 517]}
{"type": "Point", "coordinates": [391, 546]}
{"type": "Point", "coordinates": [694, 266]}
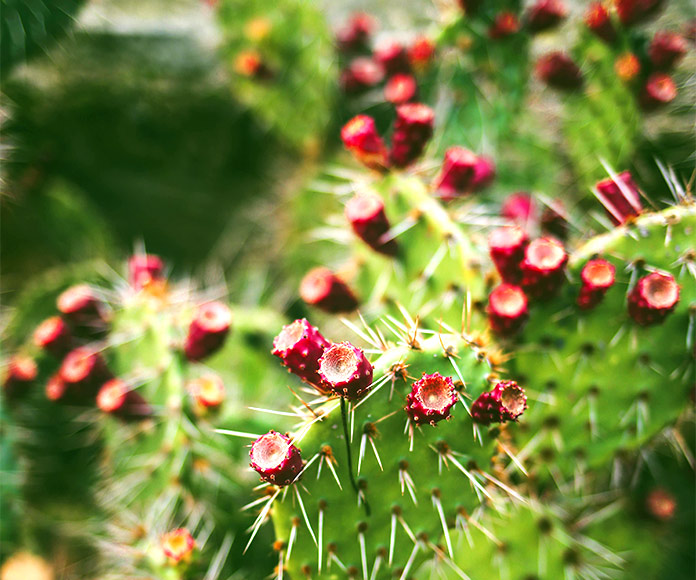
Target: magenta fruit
{"type": "Point", "coordinates": [81, 306]}
{"type": "Point", "coordinates": [345, 371]}
{"type": "Point", "coordinates": [544, 15]}
{"type": "Point", "coordinates": [276, 459]}
{"type": "Point", "coordinates": [559, 71]}
{"type": "Point", "coordinates": [632, 12]}
{"type": "Point", "coordinates": [400, 89]}
{"type": "Point", "coordinates": [207, 331]}
{"type": "Point", "coordinates": [505, 24]}
{"type": "Point", "coordinates": [362, 74]}
{"type": "Point", "coordinates": [653, 298]}
{"type": "Point", "coordinates": [300, 346]}
{"type": "Point", "coordinates": [56, 388]}
{"type": "Point", "coordinates": [659, 90]}
{"type": "Point", "coordinates": [356, 32]}
{"type": "Point", "coordinates": [115, 397]}
{"type": "Point", "coordinates": [83, 370]}
{"type": "Point", "coordinates": [484, 173]}
{"type": "Point", "coordinates": [431, 399]}
{"type": "Point", "coordinates": [506, 246]}
{"type": "Point", "coordinates": [421, 53]}
{"type": "Point", "coordinates": [507, 309]}
{"type": "Point", "coordinates": [506, 402]}
{"type": "Point", "coordinates": [365, 212]}
{"type": "Point", "coordinates": [543, 267]}
{"type": "Point", "coordinates": [322, 288]}
{"type": "Point", "coordinates": [520, 208]}
{"type": "Point", "coordinates": [21, 372]}
{"type": "Point", "coordinates": [597, 277]}
{"type": "Point", "coordinates": [620, 197]}
{"type": "Point", "coordinates": [53, 335]}
{"type": "Point", "coordinates": [360, 137]}
{"type": "Point", "coordinates": [457, 173]}
{"type": "Point", "coordinates": [666, 49]}
{"type": "Point", "coordinates": [144, 269]}
{"type": "Point", "coordinates": [393, 58]}
{"type": "Point", "coordinates": [413, 129]}
{"type": "Point", "coordinates": [597, 20]}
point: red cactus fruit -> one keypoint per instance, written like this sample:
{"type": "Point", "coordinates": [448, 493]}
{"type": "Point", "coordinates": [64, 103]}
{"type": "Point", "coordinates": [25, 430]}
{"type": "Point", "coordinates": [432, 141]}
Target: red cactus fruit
{"type": "Point", "coordinates": [431, 399]}
{"type": "Point", "coordinates": [360, 137]}
{"type": "Point", "coordinates": [144, 269]}
{"type": "Point", "coordinates": [115, 397]}
{"type": "Point", "coordinates": [597, 277]}
{"type": "Point", "coordinates": [520, 208]}
{"type": "Point", "coordinates": [505, 24]}
{"type": "Point", "coordinates": [627, 66]}
{"type": "Point", "coordinates": [345, 371]}
{"type": "Point", "coordinates": [484, 173]}
{"type": "Point", "coordinates": [56, 388]}
{"type": "Point", "coordinates": [300, 346]}
{"type": "Point", "coordinates": [250, 64]}
{"type": "Point", "coordinates": [620, 197]}
{"type": "Point", "coordinates": [393, 57]}
{"type": "Point", "coordinates": [413, 129]}
{"type": "Point", "coordinates": [507, 309]}
{"type": "Point", "coordinates": [659, 90]}
{"type": "Point", "coordinates": [362, 74]}
{"type": "Point", "coordinates": [21, 372]}
{"type": "Point", "coordinates": [457, 173]}
{"type": "Point", "coordinates": [81, 306]}
{"type": "Point", "coordinates": [355, 34]}
{"type": "Point", "coordinates": [653, 298]}
{"type": "Point", "coordinates": [53, 335]}
{"type": "Point", "coordinates": [506, 402]}
{"type": "Point", "coordinates": [559, 71]}
{"type": "Point", "coordinates": [207, 391]}
{"type": "Point", "coordinates": [365, 212]}
{"type": "Point", "coordinates": [322, 288]}
{"type": "Point", "coordinates": [543, 267]}
{"type": "Point", "coordinates": [207, 331]}
{"type": "Point", "coordinates": [421, 53]}
{"type": "Point", "coordinates": [276, 459]}
{"type": "Point", "coordinates": [544, 15]}
{"type": "Point", "coordinates": [82, 369]}
{"type": "Point", "coordinates": [666, 49]}
{"type": "Point", "coordinates": [661, 504]}
{"type": "Point", "coordinates": [554, 220]}
{"type": "Point", "coordinates": [178, 545]}
{"type": "Point", "coordinates": [400, 89]}
{"type": "Point", "coordinates": [598, 21]}
{"type": "Point", "coordinates": [506, 246]}
{"type": "Point", "coordinates": [632, 12]}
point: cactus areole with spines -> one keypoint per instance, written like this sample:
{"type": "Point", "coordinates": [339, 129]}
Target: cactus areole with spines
{"type": "Point", "coordinates": [276, 459]}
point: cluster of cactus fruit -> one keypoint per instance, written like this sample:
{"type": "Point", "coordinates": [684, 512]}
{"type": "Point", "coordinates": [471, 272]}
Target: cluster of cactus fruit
{"type": "Point", "coordinates": [502, 378]}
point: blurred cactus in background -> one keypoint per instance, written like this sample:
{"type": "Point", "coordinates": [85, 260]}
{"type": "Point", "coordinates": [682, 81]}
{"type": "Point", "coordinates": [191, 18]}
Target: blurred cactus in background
{"type": "Point", "coordinates": [418, 299]}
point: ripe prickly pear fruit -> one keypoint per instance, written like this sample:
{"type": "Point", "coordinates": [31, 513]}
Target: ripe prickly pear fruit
{"type": "Point", "coordinates": [53, 335]}
{"type": "Point", "coordinates": [276, 459]}
{"type": "Point", "coordinates": [653, 298]}
{"type": "Point", "coordinates": [300, 346]}
{"type": "Point", "coordinates": [413, 129]}
{"type": "Point", "coordinates": [345, 371]}
{"type": "Point", "coordinates": [507, 247]}
{"type": "Point", "coordinates": [144, 269]}
{"type": "Point", "coordinates": [322, 288]}
{"type": "Point", "coordinates": [116, 397]}
{"type": "Point", "coordinates": [21, 372]}
{"type": "Point", "coordinates": [620, 197]}
{"type": "Point", "coordinates": [507, 310]}
{"type": "Point", "coordinates": [207, 331]}
{"type": "Point", "coordinates": [431, 399]}
{"type": "Point", "coordinates": [506, 402]}
{"type": "Point", "coordinates": [597, 277]}
{"type": "Point", "coordinates": [360, 137]}
{"type": "Point", "coordinates": [365, 212]}
{"type": "Point", "coordinates": [543, 267]}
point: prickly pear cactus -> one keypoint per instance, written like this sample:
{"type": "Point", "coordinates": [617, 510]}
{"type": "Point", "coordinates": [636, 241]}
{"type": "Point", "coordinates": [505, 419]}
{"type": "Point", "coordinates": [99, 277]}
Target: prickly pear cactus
{"type": "Point", "coordinates": [600, 382]}
{"type": "Point", "coordinates": [382, 480]}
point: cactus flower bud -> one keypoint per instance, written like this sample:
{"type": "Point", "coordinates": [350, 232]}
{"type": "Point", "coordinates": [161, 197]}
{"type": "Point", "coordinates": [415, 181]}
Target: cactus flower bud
{"type": "Point", "coordinates": [484, 173]}
{"type": "Point", "coordinates": [620, 197]}
{"type": "Point", "coordinates": [598, 21]}
{"type": "Point", "coordinates": [653, 298]}
{"type": "Point", "coordinates": [21, 372]}
{"type": "Point", "coordinates": [544, 15]}
{"type": "Point", "coordinates": [276, 459]}
{"type": "Point", "coordinates": [322, 288]}
{"type": "Point", "coordinates": [207, 391]}
{"type": "Point", "coordinates": [115, 397]}
{"type": "Point", "coordinates": [144, 269]}
{"type": "Point", "coordinates": [413, 129]}
{"type": "Point", "coordinates": [659, 90]}
{"type": "Point", "coordinates": [666, 49]}
{"type": "Point", "coordinates": [207, 331]}
{"type": "Point", "coordinates": [360, 137]}
{"type": "Point", "coordinates": [393, 57]}
{"type": "Point", "coordinates": [56, 388]}
{"type": "Point", "coordinates": [506, 402]}
{"type": "Point", "coordinates": [345, 371]}
{"type": "Point", "coordinates": [421, 53]}
{"type": "Point", "coordinates": [507, 309]}
{"type": "Point", "coordinates": [543, 267]}
{"type": "Point", "coordinates": [505, 24]}
{"type": "Point", "coordinates": [559, 71]}
{"type": "Point", "coordinates": [365, 212]}
{"type": "Point", "coordinates": [597, 277]}
{"type": "Point", "coordinates": [53, 335]}
{"type": "Point", "coordinates": [178, 545]}
{"type": "Point", "coordinates": [431, 399]}
{"type": "Point", "coordinates": [506, 246]}
{"type": "Point", "coordinates": [300, 346]}
{"type": "Point", "coordinates": [356, 32]}
{"type": "Point", "coordinates": [520, 209]}
{"type": "Point", "coordinates": [400, 89]}
{"type": "Point", "coordinates": [457, 173]}
{"type": "Point", "coordinates": [81, 306]}
{"type": "Point", "coordinates": [632, 12]}
{"type": "Point", "coordinates": [627, 67]}
{"type": "Point", "coordinates": [82, 369]}
{"type": "Point", "coordinates": [362, 74]}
